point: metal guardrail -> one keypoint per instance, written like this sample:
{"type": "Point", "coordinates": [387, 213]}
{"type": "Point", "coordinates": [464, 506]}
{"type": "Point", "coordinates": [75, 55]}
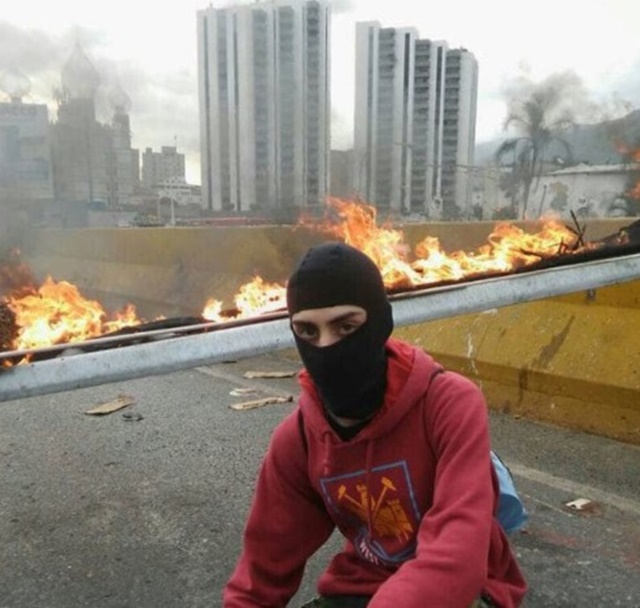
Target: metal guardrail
{"type": "Point", "coordinates": [74, 369]}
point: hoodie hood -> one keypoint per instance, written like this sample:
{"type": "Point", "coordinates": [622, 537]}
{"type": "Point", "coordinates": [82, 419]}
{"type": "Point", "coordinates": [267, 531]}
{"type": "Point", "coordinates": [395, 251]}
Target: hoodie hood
{"type": "Point", "coordinates": [408, 378]}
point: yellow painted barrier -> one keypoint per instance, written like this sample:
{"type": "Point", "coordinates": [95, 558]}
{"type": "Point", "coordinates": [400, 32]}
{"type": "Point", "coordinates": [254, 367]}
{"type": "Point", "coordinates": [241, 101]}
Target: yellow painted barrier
{"type": "Point", "coordinates": [166, 271]}
{"type": "Point", "coordinates": [572, 360]}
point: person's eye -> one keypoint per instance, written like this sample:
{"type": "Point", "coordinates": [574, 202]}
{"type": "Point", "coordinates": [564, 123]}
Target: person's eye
{"type": "Point", "coordinates": [348, 328]}
{"type": "Point", "coordinates": [306, 331]}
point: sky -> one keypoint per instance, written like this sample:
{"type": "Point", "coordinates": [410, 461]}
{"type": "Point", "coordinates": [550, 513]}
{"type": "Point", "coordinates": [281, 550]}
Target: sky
{"type": "Point", "coordinates": [149, 49]}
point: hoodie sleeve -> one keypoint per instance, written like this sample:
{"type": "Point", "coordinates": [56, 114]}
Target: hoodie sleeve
{"type": "Point", "coordinates": [450, 567]}
{"type": "Point", "coordinates": [287, 524]}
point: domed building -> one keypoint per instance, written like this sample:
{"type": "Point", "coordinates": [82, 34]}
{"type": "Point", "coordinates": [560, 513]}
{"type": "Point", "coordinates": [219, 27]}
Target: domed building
{"type": "Point", "coordinates": [95, 167]}
{"type": "Point", "coordinates": [80, 79]}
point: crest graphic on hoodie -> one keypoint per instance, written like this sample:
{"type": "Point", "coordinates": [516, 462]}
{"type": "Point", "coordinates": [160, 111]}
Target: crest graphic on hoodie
{"type": "Point", "coordinates": [380, 505]}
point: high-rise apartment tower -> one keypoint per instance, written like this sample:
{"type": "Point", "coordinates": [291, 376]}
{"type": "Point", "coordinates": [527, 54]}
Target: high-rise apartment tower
{"type": "Point", "coordinates": [415, 116]}
{"type": "Point", "coordinates": [264, 105]}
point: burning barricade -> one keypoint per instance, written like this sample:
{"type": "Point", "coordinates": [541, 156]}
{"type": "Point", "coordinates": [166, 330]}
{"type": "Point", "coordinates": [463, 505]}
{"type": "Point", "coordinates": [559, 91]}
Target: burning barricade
{"type": "Point", "coordinates": [35, 317]}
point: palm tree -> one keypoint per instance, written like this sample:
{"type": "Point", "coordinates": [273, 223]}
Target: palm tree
{"type": "Point", "coordinates": [528, 152]}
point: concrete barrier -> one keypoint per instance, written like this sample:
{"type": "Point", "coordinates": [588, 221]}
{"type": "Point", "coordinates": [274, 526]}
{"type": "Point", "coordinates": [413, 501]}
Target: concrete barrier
{"type": "Point", "coordinates": [165, 271]}
{"type": "Point", "coordinates": [571, 360]}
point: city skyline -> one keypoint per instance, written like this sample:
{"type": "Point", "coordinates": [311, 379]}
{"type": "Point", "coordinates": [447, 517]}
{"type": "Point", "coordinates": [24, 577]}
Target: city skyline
{"type": "Point", "coordinates": [158, 69]}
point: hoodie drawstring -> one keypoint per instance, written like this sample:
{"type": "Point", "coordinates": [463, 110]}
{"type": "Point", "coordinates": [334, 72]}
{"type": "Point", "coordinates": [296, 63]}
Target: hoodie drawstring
{"type": "Point", "coordinates": [326, 446]}
{"type": "Point", "coordinates": [368, 466]}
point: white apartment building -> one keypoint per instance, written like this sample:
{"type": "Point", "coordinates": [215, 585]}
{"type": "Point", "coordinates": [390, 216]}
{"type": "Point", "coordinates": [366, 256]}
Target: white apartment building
{"type": "Point", "coordinates": [263, 74]}
{"type": "Point", "coordinates": [161, 167]}
{"type": "Point", "coordinates": [458, 131]}
{"type": "Point", "coordinates": [415, 116]}
{"type": "Point", "coordinates": [428, 122]}
{"type": "Point", "coordinates": [384, 114]}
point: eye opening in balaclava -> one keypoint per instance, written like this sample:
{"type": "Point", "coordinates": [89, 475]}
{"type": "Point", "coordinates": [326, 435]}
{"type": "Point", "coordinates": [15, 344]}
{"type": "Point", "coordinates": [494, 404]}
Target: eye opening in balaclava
{"type": "Point", "coordinates": [351, 373]}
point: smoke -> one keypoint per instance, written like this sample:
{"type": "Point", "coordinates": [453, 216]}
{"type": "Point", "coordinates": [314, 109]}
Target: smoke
{"type": "Point", "coordinates": [564, 98]}
{"type": "Point", "coordinates": [30, 51]}
{"type": "Point", "coordinates": [163, 105]}
{"type": "Point", "coordinates": [561, 96]}
{"type": "Point", "coordinates": [40, 56]}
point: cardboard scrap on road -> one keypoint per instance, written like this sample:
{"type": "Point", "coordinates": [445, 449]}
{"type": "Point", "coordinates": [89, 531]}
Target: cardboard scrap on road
{"type": "Point", "coordinates": [250, 405]}
{"type": "Point", "coordinates": [241, 392]}
{"type": "Point", "coordinates": [270, 374]}
{"type": "Point", "coordinates": [583, 505]}
{"type": "Point", "coordinates": [111, 406]}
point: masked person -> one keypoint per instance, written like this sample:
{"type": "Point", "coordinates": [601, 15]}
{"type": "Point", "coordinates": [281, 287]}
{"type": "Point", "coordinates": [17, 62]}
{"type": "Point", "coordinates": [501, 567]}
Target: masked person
{"type": "Point", "coordinates": [385, 446]}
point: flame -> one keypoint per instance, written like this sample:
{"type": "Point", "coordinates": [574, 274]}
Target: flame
{"type": "Point", "coordinates": [56, 312]}
{"type": "Point", "coordinates": [633, 154]}
{"type": "Point", "coordinates": [509, 248]}
{"type": "Point", "coordinates": [254, 298]}
{"type": "Point", "coordinates": [213, 310]}
{"type": "Point", "coordinates": [258, 297]}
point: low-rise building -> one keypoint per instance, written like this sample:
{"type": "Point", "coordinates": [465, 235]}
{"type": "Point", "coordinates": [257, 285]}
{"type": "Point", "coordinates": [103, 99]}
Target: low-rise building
{"type": "Point", "coordinates": [162, 167]}
{"type": "Point", "coordinates": [587, 190]}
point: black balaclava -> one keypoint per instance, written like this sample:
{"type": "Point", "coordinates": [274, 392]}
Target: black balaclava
{"type": "Point", "coordinates": [350, 374]}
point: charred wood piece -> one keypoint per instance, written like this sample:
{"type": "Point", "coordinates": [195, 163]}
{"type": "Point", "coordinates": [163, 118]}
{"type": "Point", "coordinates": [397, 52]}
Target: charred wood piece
{"type": "Point", "coordinates": [625, 236]}
{"type": "Point", "coordinates": [578, 231]}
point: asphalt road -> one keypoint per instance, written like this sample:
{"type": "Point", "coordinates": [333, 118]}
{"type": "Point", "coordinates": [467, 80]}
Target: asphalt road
{"type": "Point", "coordinates": [145, 507]}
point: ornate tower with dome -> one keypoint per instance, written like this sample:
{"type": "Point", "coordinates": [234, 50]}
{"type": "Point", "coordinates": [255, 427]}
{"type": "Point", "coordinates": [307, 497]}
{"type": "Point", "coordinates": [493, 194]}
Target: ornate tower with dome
{"type": "Point", "coordinates": [95, 167]}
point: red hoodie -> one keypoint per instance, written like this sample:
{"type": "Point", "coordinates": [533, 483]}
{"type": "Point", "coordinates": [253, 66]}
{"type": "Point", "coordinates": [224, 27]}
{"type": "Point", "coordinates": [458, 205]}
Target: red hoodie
{"type": "Point", "coordinates": [413, 493]}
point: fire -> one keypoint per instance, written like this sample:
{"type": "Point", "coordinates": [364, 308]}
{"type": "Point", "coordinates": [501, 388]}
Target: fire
{"type": "Point", "coordinates": [631, 155]}
{"type": "Point", "coordinates": [509, 248]}
{"type": "Point", "coordinates": [213, 310]}
{"type": "Point", "coordinates": [56, 312]}
{"type": "Point", "coordinates": [357, 226]}
{"type": "Point", "coordinates": [254, 298]}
